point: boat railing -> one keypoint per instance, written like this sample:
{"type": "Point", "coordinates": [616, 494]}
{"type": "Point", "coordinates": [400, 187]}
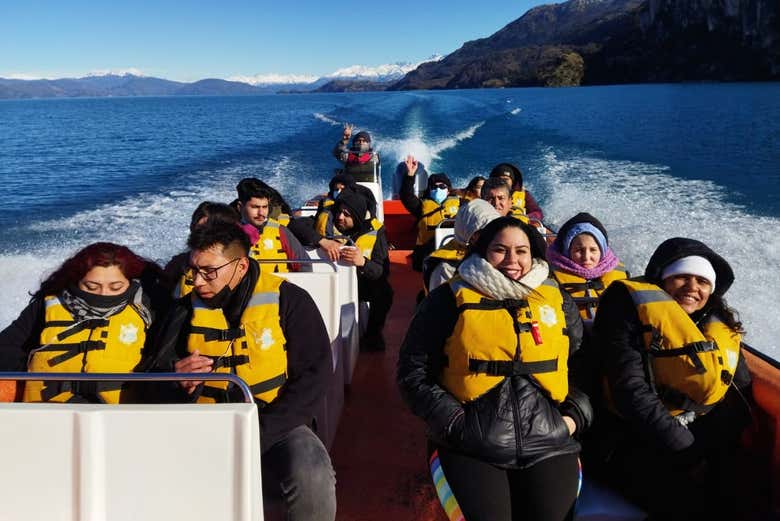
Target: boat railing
{"type": "Point", "coordinates": [132, 377]}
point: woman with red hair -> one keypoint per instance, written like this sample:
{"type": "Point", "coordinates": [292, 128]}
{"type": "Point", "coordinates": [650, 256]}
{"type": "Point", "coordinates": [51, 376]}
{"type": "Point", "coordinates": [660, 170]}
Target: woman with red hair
{"type": "Point", "coordinates": [91, 315]}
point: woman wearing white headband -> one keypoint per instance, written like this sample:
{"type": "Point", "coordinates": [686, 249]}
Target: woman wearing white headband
{"type": "Point", "coordinates": [669, 351]}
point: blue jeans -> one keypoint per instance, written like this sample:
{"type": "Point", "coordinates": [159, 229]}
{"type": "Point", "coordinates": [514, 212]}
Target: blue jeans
{"type": "Point", "coordinates": [301, 466]}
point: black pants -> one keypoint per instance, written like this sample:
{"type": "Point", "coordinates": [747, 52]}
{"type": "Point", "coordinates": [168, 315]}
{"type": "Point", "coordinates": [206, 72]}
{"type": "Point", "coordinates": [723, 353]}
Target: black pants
{"type": "Point", "coordinates": [545, 492]}
{"type": "Point", "coordinates": [379, 295]}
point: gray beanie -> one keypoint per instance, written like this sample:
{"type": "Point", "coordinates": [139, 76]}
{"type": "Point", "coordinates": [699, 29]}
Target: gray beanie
{"type": "Point", "coordinates": [473, 217]}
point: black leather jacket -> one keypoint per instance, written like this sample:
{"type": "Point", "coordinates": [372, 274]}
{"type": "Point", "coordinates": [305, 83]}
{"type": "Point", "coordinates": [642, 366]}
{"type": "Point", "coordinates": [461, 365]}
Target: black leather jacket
{"type": "Point", "coordinates": [515, 424]}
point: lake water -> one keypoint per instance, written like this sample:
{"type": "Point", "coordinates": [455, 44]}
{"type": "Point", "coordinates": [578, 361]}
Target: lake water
{"type": "Point", "coordinates": [650, 161]}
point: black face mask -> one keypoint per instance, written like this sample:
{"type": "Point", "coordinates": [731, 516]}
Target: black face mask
{"type": "Point", "coordinates": [220, 299]}
{"type": "Point", "coordinates": [101, 301]}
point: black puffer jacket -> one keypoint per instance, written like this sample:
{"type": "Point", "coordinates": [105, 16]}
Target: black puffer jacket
{"type": "Point", "coordinates": [515, 424]}
{"type": "Point", "coordinates": [618, 344]}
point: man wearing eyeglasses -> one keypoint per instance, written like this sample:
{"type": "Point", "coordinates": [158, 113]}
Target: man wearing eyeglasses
{"type": "Point", "coordinates": [269, 332]}
{"type": "Point", "coordinates": [437, 203]}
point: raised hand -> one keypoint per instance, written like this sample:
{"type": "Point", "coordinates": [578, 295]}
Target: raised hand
{"type": "Point", "coordinates": [411, 165]}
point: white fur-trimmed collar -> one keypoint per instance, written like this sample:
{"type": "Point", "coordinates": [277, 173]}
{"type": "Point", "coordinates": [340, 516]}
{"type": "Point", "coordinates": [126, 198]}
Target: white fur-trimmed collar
{"type": "Point", "coordinates": [488, 280]}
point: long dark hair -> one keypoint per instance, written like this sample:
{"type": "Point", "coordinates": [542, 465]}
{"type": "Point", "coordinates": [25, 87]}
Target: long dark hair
{"type": "Point", "coordinates": [716, 305]}
{"type": "Point", "coordinates": [538, 244]}
{"type": "Point", "coordinates": [103, 254]}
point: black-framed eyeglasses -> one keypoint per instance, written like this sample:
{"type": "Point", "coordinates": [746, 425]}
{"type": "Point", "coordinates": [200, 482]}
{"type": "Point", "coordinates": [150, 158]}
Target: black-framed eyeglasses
{"type": "Point", "coordinates": [209, 273]}
{"type": "Point", "coordinates": [440, 185]}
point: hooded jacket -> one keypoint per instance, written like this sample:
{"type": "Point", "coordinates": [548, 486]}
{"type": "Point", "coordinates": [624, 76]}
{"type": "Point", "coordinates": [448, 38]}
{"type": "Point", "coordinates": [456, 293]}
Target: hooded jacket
{"type": "Point", "coordinates": [618, 333]}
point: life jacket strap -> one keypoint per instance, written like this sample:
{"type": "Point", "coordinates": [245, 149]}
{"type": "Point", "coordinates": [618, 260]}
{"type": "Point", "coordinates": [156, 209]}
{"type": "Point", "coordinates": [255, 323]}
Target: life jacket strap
{"type": "Point", "coordinates": [267, 385]}
{"type": "Point", "coordinates": [229, 361]}
{"type": "Point", "coordinates": [512, 367]}
{"type": "Point", "coordinates": [78, 388]}
{"type": "Point", "coordinates": [90, 323]}
{"type": "Point", "coordinates": [691, 350]}
{"type": "Point", "coordinates": [680, 400]}
{"type": "Point", "coordinates": [72, 350]}
{"type": "Point", "coordinates": [490, 304]}
{"type": "Point", "coordinates": [594, 284]}
{"type": "Point", "coordinates": [211, 334]}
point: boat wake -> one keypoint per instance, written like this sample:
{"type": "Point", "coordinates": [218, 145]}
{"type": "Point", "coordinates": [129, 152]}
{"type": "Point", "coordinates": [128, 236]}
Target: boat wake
{"type": "Point", "coordinates": [642, 204]}
{"type": "Point", "coordinates": [326, 119]}
{"type": "Point", "coordinates": [424, 149]}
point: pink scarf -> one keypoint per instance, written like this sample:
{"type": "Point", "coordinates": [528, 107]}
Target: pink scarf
{"type": "Point", "coordinates": [561, 262]}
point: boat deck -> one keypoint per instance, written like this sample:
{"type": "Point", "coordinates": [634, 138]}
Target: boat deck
{"type": "Point", "coordinates": [379, 452]}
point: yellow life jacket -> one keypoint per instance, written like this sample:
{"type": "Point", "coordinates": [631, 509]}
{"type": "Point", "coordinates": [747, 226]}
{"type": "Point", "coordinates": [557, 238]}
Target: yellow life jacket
{"type": "Point", "coordinates": [691, 369]}
{"type": "Point", "coordinates": [255, 350]}
{"type": "Point", "coordinates": [283, 219]}
{"type": "Point", "coordinates": [106, 345]}
{"type": "Point", "coordinates": [185, 285]}
{"type": "Point", "coordinates": [365, 243]}
{"type": "Point", "coordinates": [434, 213]}
{"type": "Point", "coordinates": [586, 293]}
{"type": "Point", "coordinates": [269, 247]}
{"type": "Point", "coordinates": [518, 204]}
{"type": "Point", "coordinates": [452, 252]}
{"type": "Point", "coordinates": [494, 339]}
{"type": "Point", "coordinates": [325, 226]}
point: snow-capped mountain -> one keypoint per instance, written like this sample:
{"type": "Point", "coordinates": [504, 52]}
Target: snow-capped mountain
{"type": "Point", "coordinates": [380, 73]}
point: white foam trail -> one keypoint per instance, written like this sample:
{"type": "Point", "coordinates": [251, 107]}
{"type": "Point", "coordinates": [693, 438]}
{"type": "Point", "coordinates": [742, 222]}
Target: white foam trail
{"type": "Point", "coordinates": [423, 149]}
{"type": "Point", "coordinates": [326, 119]}
{"type": "Point", "coordinates": [152, 225]}
{"type": "Point", "coordinates": [516, 111]}
{"type": "Point", "coordinates": [641, 205]}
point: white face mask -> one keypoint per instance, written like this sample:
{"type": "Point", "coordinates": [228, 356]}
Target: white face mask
{"type": "Point", "coordinates": [439, 194]}
{"type": "Point", "coordinates": [335, 194]}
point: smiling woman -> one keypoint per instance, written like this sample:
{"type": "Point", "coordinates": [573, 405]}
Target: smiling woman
{"type": "Point", "coordinates": [670, 352]}
{"type": "Point", "coordinates": [498, 337]}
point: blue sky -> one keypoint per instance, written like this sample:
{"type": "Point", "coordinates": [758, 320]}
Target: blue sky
{"type": "Point", "coordinates": [190, 40]}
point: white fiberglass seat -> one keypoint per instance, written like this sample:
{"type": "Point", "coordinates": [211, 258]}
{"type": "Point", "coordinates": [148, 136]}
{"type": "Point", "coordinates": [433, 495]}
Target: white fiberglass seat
{"type": "Point", "coordinates": [88, 462]}
{"type": "Point", "coordinates": [349, 317]}
{"type": "Point", "coordinates": [324, 290]}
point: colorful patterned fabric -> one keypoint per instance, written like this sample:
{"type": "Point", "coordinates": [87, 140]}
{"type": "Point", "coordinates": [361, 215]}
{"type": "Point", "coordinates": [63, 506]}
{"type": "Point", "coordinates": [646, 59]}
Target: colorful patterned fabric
{"type": "Point", "coordinates": [447, 499]}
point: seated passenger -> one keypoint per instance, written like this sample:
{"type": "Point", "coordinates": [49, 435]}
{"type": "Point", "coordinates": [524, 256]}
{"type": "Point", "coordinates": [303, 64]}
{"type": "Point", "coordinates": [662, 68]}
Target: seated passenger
{"type": "Point", "coordinates": [370, 255]}
{"type": "Point", "coordinates": [523, 203]}
{"type": "Point", "coordinates": [359, 158]}
{"type": "Point", "coordinates": [440, 266]}
{"type": "Point", "coordinates": [269, 332]}
{"type": "Point", "coordinates": [583, 263]}
{"type": "Point", "coordinates": [274, 242]}
{"type": "Point", "coordinates": [94, 314]}
{"type": "Point", "coordinates": [496, 192]}
{"type": "Point", "coordinates": [678, 386]}
{"type": "Point", "coordinates": [484, 364]}
{"type": "Point", "coordinates": [337, 183]}
{"type": "Point", "coordinates": [473, 189]}
{"type": "Point", "coordinates": [176, 271]}
{"type": "Point", "coordinates": [436, 205]}
{"type": "Point", "coordinates": [278, 210]}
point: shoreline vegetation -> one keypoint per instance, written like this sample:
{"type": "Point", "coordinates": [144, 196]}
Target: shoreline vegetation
{"type": "Point", "coordinates": [574, 43]}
